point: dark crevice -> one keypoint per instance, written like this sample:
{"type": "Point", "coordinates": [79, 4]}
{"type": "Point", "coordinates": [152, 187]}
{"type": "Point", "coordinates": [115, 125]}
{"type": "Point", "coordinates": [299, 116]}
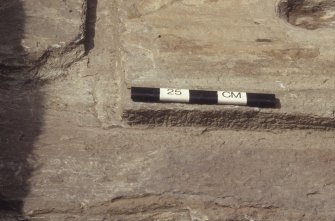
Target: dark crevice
{"type": "Point", "coordinates": [308, 14]}
{"type": "Point", "coordinates": [91, 18]}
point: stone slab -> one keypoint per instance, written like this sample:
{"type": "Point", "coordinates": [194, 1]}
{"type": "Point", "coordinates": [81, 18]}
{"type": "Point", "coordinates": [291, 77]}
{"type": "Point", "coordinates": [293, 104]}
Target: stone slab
{"type": "Point", "coordinates": [29, 29]}
{"type": "Point", "coordinates": [65, 157]}
{"type": "Point", "coordinates": [227, 45]}
{"type": "Point", "coordinates": [131, 174]}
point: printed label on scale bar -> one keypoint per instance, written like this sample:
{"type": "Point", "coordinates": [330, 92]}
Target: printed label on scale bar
{"type": "Point", "coordinates": [146, 94]}
{"type": "Point", "coordinates": [234, 98]}
{"type": "Point", "coordinates": [174, 95]}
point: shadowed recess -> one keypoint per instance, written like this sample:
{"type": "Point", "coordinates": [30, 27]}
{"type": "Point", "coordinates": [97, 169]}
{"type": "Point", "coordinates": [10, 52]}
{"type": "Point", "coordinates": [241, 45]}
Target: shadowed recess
{"type": "Point", "coordinates": [20, 113]}
{"type": "Point", "coordinates": [308, 14]}
{"type": "Point", "coordinates": [91, 17]}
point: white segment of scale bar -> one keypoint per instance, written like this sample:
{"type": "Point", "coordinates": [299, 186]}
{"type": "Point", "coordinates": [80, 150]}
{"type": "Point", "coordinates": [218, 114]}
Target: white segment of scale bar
{"type": "Point", "coordinates": [174, 95]}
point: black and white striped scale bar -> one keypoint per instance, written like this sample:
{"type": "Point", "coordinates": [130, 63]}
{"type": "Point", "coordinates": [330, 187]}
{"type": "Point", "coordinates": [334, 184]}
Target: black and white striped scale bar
{"type": "Point", "coordinates": [173, 95]}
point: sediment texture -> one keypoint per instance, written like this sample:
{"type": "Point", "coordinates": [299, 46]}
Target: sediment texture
{"type": "Point", "coordinates": [75, 147]}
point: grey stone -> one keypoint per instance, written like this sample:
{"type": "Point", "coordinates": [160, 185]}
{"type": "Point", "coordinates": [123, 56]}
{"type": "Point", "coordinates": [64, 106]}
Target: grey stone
{"type": "Point", "coordinates": [67, 155]}
{"type": "Point", "coordinates": [228, 45]}
{"type": "Point", "coordinates": [36, 32]}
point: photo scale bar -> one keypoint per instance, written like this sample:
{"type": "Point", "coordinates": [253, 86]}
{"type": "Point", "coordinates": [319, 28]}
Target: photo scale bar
{"type": "Point", "coordinates": [173, 95]}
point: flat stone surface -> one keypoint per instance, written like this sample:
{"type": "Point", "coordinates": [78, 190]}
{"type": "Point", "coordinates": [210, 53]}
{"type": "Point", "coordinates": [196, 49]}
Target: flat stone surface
{"type": "Point", "coordinates": [30, 28]}
{"type": "Point", "coordinates": [182, 173]}
{"type": "Point", "coordinates": [66, 154]}
{"type": "Point", "coordinates": [228, 45]}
